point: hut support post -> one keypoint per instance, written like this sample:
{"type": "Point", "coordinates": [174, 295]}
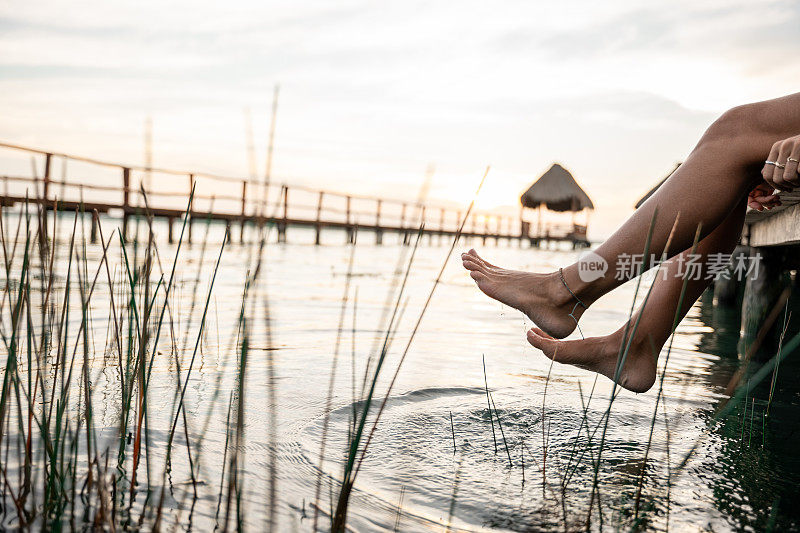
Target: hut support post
{"type": "Point", "coordinates": [539, 221]}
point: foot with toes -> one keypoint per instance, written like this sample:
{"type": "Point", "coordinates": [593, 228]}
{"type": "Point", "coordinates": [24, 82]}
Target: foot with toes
{"type": "Point", "coordinates": [542, 297]}
{"type": "Point", "coordinates": [546, 300]}
{"type": "Point", "coordinates": [601, 355]}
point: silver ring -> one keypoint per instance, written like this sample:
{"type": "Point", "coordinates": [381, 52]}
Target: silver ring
{"type": "Point", "coordinates": [793, 160]}
{"type": "Point", "coordinates": [779, 165]}
{"type": "Point", "coordinates": [770, 163]}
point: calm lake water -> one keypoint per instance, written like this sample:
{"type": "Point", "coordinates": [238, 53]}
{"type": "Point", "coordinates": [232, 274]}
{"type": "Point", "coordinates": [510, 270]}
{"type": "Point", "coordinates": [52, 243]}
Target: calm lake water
{"type": "Point", "coordinates": [421, 473]}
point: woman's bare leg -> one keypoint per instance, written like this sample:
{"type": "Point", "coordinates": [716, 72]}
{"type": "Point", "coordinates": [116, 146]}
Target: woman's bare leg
{"type": "Point", "coordinates": [716, 176]}
{"type": "Point", "coordinates": [658, 314]}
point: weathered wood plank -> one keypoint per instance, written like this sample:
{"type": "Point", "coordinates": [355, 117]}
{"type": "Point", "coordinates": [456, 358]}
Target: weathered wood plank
{"type": "Point", "coordinates": [776, 229]}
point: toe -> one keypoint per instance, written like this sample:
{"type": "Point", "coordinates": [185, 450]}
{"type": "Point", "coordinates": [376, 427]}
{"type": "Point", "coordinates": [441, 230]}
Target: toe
{"type": "Point", "coordinates": [538, 339]}
{"type": "Point", "coordinates": [547, 344]}
{"type": "Point", "coordinates": [472, 265]}
{"type": "Point", "coordinates": [486, 263]}
{"type": "Point", "coordinates": [477, 275]}
{"type": "Point", "coordinates": [541, 333]}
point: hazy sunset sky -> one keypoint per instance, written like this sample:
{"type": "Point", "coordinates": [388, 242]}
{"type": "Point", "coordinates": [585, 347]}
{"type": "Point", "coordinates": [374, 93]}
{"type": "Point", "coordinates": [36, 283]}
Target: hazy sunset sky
{"type": "Point", "coordinates": [372, 92]}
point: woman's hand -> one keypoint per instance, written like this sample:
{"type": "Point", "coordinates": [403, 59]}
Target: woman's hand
{"type": "Point", "coordinates": [763, 197]}
{"type": "Point", "coordinates": [781, 167]}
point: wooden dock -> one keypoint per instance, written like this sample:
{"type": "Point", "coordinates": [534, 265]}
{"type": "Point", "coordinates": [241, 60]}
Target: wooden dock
{"type": "Point", "coordinates": [116, 189]}
{"type": "Point", "coordinates": [772, 239]}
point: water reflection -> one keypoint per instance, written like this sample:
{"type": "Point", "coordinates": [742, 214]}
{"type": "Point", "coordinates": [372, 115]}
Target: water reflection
{"type": "Point", "coordinates": [755, 468]}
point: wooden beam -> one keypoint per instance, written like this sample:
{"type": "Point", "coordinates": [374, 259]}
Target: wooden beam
{"type": "Point", "coordinates": [779, 229]}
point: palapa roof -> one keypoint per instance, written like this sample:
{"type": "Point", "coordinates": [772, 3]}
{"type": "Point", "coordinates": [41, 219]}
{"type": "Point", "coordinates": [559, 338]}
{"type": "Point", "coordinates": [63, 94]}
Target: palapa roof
{"type": "Point", "coordinates": [652, 191]}
{"type": "Point", "coordinates": [558, 191]}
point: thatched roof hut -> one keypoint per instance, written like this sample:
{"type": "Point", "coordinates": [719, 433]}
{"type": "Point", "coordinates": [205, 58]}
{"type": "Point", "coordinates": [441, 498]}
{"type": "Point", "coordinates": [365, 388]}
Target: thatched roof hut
{"type": "Point", "coordinates": [652, 191]}
{"type": "Point", "coordinates": [557, 190]}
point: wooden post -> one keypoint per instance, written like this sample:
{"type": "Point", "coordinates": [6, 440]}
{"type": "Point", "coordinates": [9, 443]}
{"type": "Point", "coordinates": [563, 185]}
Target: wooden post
{"type": "Point", "coordinates": [45, 187]}
{"type": "Point", "coordinates": [318, 225]}
{"type": "Point", "coordinates": [762, 292]}
{"type": "Point", "coordinates": [47, 159]}
{"type": "Point", "coordinates": [539, 228]}
{"type": "Point", "coordinates": [485, 228]}
{"type": "Point", "coordinates": [244, 203]}
{"type": "Point", "coordinates": [126, 185]}
{"type": "Point", "coordinates": [348, 227]}
{"type": "Point", "coordinates": [170, 220]}
{"type": "Point", "coordinates": [95, 222]}
{"type": "Point", "coordinates": [63, 177]}
{"type": "Point", "coordinates": [285, 203]}
{"type": "Point", "coordinates": [191, 207]}
{"type": "Point", "coordinates": [422, 223]}
{"type": "Point", "coordinates": [284, 221]}
{"type": "Point", "coordinates": [403, 224]}
{"type": "Point", "coordinates": [378, 229]}
{"type": "Point", "coordinates": [727, 291]}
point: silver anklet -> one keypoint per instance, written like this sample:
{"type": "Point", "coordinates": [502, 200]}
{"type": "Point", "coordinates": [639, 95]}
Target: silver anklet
{"type": "Point", "coordinates": [561, 273]}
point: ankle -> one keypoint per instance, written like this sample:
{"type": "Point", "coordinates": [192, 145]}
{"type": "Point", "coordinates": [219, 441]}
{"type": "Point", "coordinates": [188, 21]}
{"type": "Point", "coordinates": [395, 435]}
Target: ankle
{"type": "Point", "coordinates": [573, 288]}
{"type": "Point", "coordinates": [639, 346]}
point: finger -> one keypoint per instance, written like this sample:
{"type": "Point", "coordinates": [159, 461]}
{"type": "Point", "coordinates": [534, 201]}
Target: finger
{"type": "Point", "coordinates": [764, 199]}
{"type": "Point", "coordinates": [769, 168]}
{"type": "Point", "coordinates": [779, 176]}
{"type": "Point", "coordinates": [790, 173]}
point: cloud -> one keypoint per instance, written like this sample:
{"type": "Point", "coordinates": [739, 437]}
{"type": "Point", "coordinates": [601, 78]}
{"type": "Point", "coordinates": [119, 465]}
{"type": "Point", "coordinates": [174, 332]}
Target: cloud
{"type": "Point", "coordinates": [372, 92]}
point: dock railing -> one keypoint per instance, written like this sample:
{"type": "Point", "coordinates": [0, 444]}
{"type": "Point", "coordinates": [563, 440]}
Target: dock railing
{"type": "Point", "coordinates": [64, 181]}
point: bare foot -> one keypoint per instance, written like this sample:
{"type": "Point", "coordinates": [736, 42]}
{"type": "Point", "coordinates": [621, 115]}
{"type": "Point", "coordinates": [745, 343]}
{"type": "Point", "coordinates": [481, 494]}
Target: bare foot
{"type": "Point", "coordinates": [542, 297]}
{"type": "Point", "coordinates": [599, 354]}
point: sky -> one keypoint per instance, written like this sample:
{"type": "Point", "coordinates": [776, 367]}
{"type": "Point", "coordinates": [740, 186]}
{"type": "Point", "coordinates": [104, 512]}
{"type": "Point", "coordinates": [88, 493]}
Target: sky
{"type": "Point", "coordinates": [373, 93]}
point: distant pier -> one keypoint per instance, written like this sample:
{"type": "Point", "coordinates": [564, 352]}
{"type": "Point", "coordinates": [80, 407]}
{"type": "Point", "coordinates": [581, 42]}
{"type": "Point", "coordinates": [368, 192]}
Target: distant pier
{"type": "Point", "coordinates": [240, 203]}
